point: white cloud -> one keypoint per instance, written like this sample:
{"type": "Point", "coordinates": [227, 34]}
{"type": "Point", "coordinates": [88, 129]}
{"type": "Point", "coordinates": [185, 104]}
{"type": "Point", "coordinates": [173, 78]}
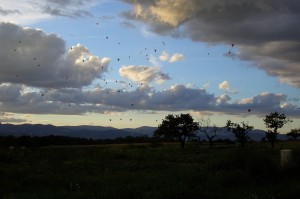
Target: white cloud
{"type": "Point", "coordinates": [34, 58]}
{"type": "Point", "coordinates": [153, 60]}
{"type": "Point", "coordinates": [176, 57]}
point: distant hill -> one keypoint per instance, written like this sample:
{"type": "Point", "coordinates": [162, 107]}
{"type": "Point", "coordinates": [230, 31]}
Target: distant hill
{"type": "Point", "coordinates": [100, 132]}
{"type": "Point", "coordinates": [90, 132]}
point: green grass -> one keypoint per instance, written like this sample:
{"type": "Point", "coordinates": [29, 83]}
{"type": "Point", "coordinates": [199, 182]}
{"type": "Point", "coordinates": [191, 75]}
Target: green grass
{"type": "Point", "coordinates": [148, 171]}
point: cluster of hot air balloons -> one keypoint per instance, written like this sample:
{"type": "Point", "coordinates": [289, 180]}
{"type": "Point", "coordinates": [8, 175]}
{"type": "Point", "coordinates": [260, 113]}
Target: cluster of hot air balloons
{"type": "Point", "coordinates": [106, 83]}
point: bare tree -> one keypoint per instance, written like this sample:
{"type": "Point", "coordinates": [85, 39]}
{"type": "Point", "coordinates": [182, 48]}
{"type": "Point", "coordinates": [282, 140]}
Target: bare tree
{"type": "Point", "coordinates": [209, 130]}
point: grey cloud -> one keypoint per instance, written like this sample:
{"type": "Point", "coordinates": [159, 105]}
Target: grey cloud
{"type": "Point", "coordinates": [8, 11]}
{"type": "Point", "coordinates": [61, 101]}
{"type": "Point", "coordinates": [66, 13]}
{"type": "Point", "coordinates": [74, 101]}
{"type": "Point", "coordinates": [261, 105]}
{"type": "Point", "coordinates": [12, 120]}
{"type": "Point", "coordinates": [68, 8]}
{"type": "Point", "coordinates": [128, 24]}
{"type": "Point", "coordinates": [9, 93]}
{"type": "Point", "coordinates": [266, 33]}
{"type": "Point", "coordinates": [34, 58]}
{"type": "Point", "coordinates": [180, 97]}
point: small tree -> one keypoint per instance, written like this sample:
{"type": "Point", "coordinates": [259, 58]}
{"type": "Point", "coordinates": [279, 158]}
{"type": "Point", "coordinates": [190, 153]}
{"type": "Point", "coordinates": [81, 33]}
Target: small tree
{"type": "Point", "coordinates": [209, 131]}
{"type": "Point", "coordinates": [240, 131]}
{"type": "Point", "coordinates": [294, 134]}
{"type": "Point", "coordinates": [177, 126]}
{"type": "Point", "coordinates": [275, 121]}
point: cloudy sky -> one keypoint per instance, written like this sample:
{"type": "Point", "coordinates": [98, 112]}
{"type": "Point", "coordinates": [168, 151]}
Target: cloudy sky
{"type": "Point", "coordinates": [129, 63]}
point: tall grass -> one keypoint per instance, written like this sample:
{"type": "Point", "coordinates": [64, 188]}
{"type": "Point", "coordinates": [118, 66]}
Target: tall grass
{"type": "Point", "coordinates": [148, 171]}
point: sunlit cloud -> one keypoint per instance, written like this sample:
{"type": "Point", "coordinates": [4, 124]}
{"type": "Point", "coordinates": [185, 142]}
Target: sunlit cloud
{"type": "Point", "coordinates": [176, 57]}
{"type": "Point", "coordinates": [143, 74]}
{"type": "Point", "coordinates": [225, 86]}
{"type": "Point", "coordinates": [271, 41]}
{"type": "Point", "coordinates": [164, 56]}
{"type": "Point", "coordinates": [173, 58]}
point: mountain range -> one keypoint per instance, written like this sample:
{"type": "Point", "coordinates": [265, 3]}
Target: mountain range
{"type": "Point", "coordinates": [100, 132]}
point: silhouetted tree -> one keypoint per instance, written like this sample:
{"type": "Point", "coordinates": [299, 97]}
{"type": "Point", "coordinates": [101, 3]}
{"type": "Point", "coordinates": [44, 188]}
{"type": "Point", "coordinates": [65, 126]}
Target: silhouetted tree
{"type": "Point", "coordinates": [177, 126]}
{"type": "Point", "coordinates": [209, 131]}
{"type": "Point", "coordinates": [275, 121]}
{"type": "Point", "coordinates": [294, 134]}
{"type": "Point", "coordinates": [240, 131]}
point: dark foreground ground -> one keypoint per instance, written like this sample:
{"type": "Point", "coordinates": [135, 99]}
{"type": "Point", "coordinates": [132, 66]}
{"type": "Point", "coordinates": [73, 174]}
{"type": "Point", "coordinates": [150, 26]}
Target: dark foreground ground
{"type": "Point", "coordinates": [149, 171]}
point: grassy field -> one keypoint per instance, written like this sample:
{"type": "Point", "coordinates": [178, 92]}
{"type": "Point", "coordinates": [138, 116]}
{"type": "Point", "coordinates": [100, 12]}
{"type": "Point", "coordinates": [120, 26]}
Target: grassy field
{"type": "Point", "coordinates": [149, 171]}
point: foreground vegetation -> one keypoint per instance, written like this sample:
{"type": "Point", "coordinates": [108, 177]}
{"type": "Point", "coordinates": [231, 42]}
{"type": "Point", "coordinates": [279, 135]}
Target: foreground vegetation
{"type": "Point", "coordinates": [150, 171]}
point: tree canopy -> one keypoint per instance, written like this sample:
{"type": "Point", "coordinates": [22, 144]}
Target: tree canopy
{"type": "Point", "coordinates": [177, 126]}
{"type": "Point", "coordinates": [275, 121]}
{"type": "Point", "coordinates": [294, 134]}
{"type": "Point", "coordinates": [240, 131]}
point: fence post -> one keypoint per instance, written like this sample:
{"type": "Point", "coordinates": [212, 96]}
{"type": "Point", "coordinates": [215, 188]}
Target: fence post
{"type": "Point", "coordinates": [286, 157]}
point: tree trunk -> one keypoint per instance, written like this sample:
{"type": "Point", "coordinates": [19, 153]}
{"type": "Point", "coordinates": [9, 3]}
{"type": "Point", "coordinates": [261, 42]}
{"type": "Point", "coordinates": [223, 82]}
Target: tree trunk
{"type": "Point", "coordinates": [274, 137]}
{"type": "Point", "coordinates": [182, 142]}
{"type": "Point", "coordinates": [210, 143]}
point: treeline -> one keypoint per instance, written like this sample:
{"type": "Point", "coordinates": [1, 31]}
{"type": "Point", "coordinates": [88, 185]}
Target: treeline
{"type": "Point", "coordinates": [55, 140]}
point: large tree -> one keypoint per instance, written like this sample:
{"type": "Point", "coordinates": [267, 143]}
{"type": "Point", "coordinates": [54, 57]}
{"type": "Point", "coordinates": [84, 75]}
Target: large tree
{"type": "Point", "coordinates": [177, 126]}
{"type": "Point", "coordinates": [275, 121]}
{"type": "Point", "coordinates": [240, 131]}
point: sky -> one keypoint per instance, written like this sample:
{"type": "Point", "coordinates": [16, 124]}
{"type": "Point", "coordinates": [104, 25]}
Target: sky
{"type": "Point", "coordinates": [129, 63]}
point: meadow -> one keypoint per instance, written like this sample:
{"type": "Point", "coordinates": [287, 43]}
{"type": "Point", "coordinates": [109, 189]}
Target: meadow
{"type": "Point", "coordinates": [152, 171]}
